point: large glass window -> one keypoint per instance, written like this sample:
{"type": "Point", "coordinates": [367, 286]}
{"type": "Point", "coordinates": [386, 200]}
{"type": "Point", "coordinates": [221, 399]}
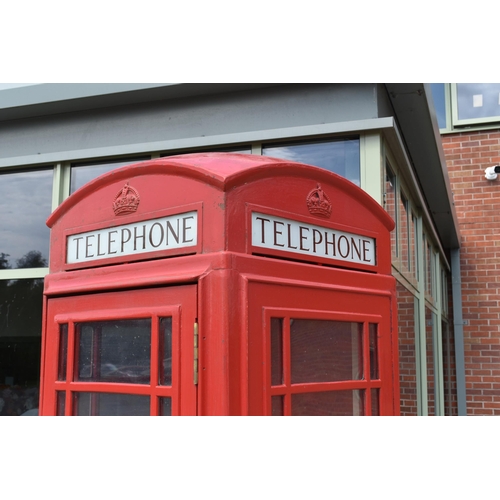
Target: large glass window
{"type": "Point", "coordinates": [337, 155]}
{"type": "Point", "coordinates": [20, 341]}
{"type": "Point", "coordinates": [244, 149]}
{"type": "Point", "coordinates": [478, 101]}
{"type": "Point", "coordinates": [82, 173]}
{"type": "Point", "coordinates": [25, 204]}
{"type": "Point", "coordinates": [421, 309]}
{"type": "Point", "coordinates": [403, 232]}
{"type": "Point", "coordinates": [390, 205]}
{"type": "Point", "coordinates": [430, 334]}
{"type": "Point", "coordinates": [466, 104]}
{"type": "Point", "coordinates": [439, 97]}
{"type": "Point", "coordinates": [449, 371]}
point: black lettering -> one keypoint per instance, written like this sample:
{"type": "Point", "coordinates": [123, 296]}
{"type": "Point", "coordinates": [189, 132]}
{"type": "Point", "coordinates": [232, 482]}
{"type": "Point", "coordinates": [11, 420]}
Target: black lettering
{"type": "Point", "coordinates": [276, 232]}
{"type": "Point", "coordinates": [174, 234]}
{"type": "Point", "coordinates": [302, 238]}
{"type": "Point", "coordinates": [355, 248]}
{"type": "Point", "coordinates": [345, 254]}
{"type": "Point", "coordinates": [123, 240]}
{"type": "Point", "coordinates": [185, 228]}
{"type": "Point", "coordinates": [99, 254]}
{"type": "Point", "coordinates": [111, 241]}
{"type": "Point", "coordinates": [332, 243]}
{"type": "Point", "coordinates": [140, 237]}
{"type": "Point", "coordinates": [88, 245]}
{"type": "Point", "coordinates": [162, 235]}
{"type": "Point", "coordinates": [316, 242]}
{"type": "Point", "coordinates": [366, 250]}
{"type": "Point", "coordinates": [263, 233]}
{"type": "Point", "coordinates": [290, 237]}
{"type": "Point", "coordinates": [78, 246]}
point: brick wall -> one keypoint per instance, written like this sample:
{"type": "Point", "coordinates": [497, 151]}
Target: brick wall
{"type": "Point", "coordinates": [477, 201]}
{"type": "Point", "coordinates": [407, 356]}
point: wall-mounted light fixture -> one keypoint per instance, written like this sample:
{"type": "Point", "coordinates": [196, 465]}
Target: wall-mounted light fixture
{"type": "Point", "coordinates": [491, 173]}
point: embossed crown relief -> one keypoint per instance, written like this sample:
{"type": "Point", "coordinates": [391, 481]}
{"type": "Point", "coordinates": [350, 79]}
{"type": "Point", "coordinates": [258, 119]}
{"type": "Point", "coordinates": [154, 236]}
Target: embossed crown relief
{"type": "Point", "coordinates": [318, 202]}
{"type": "Point", "coordinates": [126, 201]}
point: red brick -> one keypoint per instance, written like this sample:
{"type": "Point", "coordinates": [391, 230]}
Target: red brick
{"type": "Point", "coordinates": [477, 201]}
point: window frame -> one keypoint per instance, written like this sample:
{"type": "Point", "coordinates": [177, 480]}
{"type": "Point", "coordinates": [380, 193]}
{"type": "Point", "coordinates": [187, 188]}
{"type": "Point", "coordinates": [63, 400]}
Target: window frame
{"type": "Point", "coordinates": [458, 122]}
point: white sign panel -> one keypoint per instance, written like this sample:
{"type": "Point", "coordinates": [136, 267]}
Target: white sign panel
{"type": "Point", "coordinates": [165, 233]}
{"type": "Point", "coordinates": [286, 235]}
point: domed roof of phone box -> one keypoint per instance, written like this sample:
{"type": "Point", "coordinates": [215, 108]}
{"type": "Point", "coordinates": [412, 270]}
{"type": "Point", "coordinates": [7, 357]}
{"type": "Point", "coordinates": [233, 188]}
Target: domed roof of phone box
{"type": "Point", "coordinates": [226, 171]}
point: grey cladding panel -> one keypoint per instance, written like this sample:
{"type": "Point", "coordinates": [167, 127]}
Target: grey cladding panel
{"type": "Point", "coordinates": [202, 116]}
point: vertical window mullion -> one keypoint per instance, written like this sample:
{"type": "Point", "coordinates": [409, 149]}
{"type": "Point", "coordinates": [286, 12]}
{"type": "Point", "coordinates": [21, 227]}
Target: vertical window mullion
{"type": "Point", "coordinates": [420, 344]}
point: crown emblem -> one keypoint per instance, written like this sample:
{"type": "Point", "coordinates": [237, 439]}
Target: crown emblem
{"type": "Point", "coordinates": [126, 201]}
{"type": "Point", "coordinates": [318, 202]}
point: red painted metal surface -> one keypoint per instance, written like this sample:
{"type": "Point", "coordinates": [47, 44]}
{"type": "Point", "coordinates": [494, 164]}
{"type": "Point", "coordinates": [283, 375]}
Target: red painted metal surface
{"type": "Point", "coordinates": [231, 282]}
{"type": "Point", "coordinates": [178, 303]}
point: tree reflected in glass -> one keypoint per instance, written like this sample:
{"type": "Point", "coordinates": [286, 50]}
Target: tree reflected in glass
{"type": "Point", "coordinates": [20, 337]}
{"type": "Point", "coordinates": [25, 204]}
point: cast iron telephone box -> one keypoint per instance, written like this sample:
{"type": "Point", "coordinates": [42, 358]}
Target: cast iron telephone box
{"type": "Point", "coordinates": [219, 284]}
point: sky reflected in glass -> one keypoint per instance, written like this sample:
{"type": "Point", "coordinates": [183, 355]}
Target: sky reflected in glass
{"type": "Point", "coordinates": [25, 205]}
{"type": "Point", "coordinates": [478, 100]}
{"type": "Point", "coordinates": [438, 96]}
{"type": "Point", "coordinates": [338, 156]}
{"type": "Point", "coordinates": [81, 174]}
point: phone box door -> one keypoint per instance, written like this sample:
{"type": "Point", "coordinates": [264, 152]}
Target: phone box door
{"type": "Point", "coordinates": [120, 353]}
{"type": "Point", "coordinates": [321, 350]}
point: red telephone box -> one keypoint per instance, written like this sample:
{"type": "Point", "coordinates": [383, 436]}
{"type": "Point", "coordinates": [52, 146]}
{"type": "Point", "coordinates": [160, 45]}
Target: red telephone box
{"type": "Point", "coordinates": [219, 284]}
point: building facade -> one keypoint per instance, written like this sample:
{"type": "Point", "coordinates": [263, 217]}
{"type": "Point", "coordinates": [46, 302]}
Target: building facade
{"type": "Point", "coordinates": [469, 116]}
{"type": "Point", "coordinates": [54, 138]}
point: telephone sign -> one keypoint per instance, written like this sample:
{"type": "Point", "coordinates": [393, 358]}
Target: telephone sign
{"type": "Point", "coordinates": [172, 232]}
{"type": "Point", "coordinates": [301, 238]}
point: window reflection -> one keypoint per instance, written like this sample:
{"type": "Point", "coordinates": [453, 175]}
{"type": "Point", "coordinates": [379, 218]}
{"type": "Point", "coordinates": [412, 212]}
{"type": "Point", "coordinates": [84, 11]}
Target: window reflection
{"type": "Point", "coordinates": [114, 351]}
{"type": "Point", "coordinates": [373, 334]}
{"type": "Point", "coordinates": [429, 268]}
{"type": "Point", "coordinates": [165, 407]}
{"type": "Point", "coordinates": [335, 403]}
{"type": "Point", "coordinates": [63, 352]}
{"type": "Point", "coordinates": [325, 351]}
{"type": "Point", "coordinates": [276, 351]}
{"type": "Point", "coordinates": [413, 235]}
{"type": "Point", "coordinates": [85, 172]}
{"type": "Point", "coordinates": [25, 204]}
{"type": "Point", "coordinates": [403, 231]}
{"type": "Point", "coordinates": [478, 100]}
{"type": "Point", "coordinates": [20, 341]}
{"type": "Point", "coordinates": [340, 155]}
{"type": "Point", "coordinates": [448, 364]}
{"type": "Point", "coordinates": [390, 204]}
{"type": "Point", "coordinates": [61, 403]}
{"type": "Point", "coordinates": [430, 322]}
{"type": "Point", "coordinates": [375, 393]}
{"type": "Point", "coordinates": [165, 333]}
{"type": "Point", "coordinates": [110, 405]}
{"type": "Point", "coordinates": [438, 95]}
{"type": "Point", "coordinates": [244, 149]}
